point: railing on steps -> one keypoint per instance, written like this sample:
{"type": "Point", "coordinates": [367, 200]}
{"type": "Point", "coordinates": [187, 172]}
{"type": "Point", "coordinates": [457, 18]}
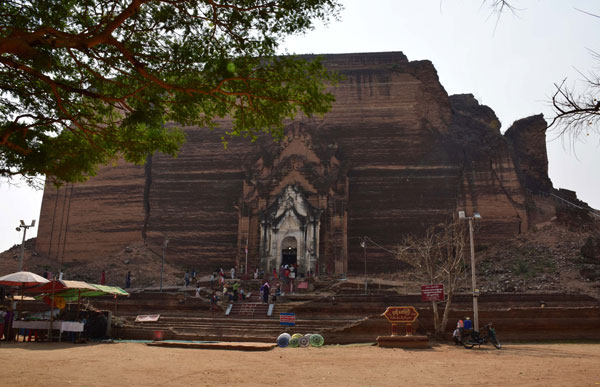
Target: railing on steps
{"type": "Point", "coordinates": [247, 309]}
{"type": "Point", "coordinates": [250, 309]}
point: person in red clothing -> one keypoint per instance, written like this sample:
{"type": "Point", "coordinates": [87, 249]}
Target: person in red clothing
{"type": "Point", "coordinates": [460, 326]}
{"type": "Point", "coordinates": [286, 278]}
{"type": "Point", "coordinates": [103, 278]}
{"type": "Point", "coordinates": [221, 276]}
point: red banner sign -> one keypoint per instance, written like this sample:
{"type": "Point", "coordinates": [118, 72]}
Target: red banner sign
{"type": "Point", "coordinates": [432, 292]}
{"type": "Point", "coordinates": [287, 319]}
{"type": "Point", "coordinates": [401, 314]}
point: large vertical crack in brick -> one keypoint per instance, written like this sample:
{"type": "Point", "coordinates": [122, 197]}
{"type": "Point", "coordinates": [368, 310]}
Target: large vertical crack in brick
{"type": "Point", "coordinates": [147, 185]}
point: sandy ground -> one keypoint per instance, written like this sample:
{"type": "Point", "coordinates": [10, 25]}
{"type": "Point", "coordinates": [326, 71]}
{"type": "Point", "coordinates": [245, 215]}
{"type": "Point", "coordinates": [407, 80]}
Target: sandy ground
{"type": "Point", "coordinates": [133, 364]}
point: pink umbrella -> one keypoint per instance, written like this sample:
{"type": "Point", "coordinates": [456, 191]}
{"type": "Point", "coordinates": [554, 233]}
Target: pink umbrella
{"type": "Point", "coordinates": [23, 279]}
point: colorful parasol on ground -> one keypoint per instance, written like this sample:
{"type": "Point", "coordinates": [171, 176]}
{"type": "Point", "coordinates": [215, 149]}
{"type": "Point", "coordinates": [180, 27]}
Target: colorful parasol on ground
{"type": "Point", "coordinates": [304, 341]}
{"type": "Point", "coordinates": [283, 340]}
{"type": "Point", "coordinates": [316, 340]}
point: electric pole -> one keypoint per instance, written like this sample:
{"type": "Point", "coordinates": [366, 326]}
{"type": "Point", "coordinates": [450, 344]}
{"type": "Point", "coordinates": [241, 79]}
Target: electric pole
{"type": "Point", "coordinates": [24, 227]}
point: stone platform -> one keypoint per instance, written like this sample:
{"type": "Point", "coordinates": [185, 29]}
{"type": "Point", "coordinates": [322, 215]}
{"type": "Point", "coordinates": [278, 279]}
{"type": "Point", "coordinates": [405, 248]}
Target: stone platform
{"type": "Point", "coordinates": [353, 318]}
{"type": "Point", "coordinates": [227, 346]}
{"type": "Point", "coordinates": [403, 341]}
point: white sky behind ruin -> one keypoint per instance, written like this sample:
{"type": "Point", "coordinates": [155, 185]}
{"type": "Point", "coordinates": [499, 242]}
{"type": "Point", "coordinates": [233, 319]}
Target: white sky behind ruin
{"type": "Point", "coordinates": [510, 65]}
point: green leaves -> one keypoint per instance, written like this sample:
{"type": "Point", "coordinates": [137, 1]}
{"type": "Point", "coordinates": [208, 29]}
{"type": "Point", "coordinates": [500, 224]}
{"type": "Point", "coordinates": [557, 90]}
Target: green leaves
{"type": "Point", "coordinates": [84, 82]}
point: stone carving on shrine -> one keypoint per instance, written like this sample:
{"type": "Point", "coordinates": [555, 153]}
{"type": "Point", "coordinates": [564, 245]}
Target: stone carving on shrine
{"type": "Point", "coordinates": [291, 192]}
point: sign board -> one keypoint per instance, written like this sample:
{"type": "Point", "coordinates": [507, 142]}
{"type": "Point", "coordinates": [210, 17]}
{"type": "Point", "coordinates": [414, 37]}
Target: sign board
{"type": "Point", "coordinates": [401, 314]}
{"type": "Point", "coordinates": [147, 317]}
{"type": "Point", "coordinates": [288, 319]}
{"type": "Point", "coordinates": [432, 292]}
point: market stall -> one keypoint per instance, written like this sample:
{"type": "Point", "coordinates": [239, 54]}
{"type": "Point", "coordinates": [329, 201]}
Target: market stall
{"type": "Point", "coordinates": [21, 280]}
{"type": "Point", "coordinates": [58, 294]}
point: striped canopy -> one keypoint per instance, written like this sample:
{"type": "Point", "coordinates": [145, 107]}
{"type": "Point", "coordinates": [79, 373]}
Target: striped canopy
{"type": "Point", "coordinates": [73, 290]}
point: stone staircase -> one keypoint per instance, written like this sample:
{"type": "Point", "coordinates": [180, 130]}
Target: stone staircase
{"type": "Point", "coordinates": [221, 328]}
{"type": "Point", "coordinates": [189, 318]}
{"type": "Point", "coordinates": [253, 307]}
{"type": "Point", "coordinates": [348, 317]}
{"type": "Point", "coordinates": [246, 309]}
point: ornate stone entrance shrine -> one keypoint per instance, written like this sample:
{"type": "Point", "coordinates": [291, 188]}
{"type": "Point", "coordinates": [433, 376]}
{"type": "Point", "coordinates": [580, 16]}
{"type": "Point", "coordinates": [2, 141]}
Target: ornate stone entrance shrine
{"type": "Point", "coordinates": [294, 206]}
{"type": "Point", "coordinates": [289, 232]}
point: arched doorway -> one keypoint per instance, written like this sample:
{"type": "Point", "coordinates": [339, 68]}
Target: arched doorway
{"type": "Point", "coordinates": [289, 232]}
{"type": "Point", "coordinates": [289, 251]}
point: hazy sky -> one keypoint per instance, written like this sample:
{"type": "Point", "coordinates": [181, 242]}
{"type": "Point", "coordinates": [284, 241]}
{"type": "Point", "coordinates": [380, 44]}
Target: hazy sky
{"type": "Point", "coordinates": [509, 65]}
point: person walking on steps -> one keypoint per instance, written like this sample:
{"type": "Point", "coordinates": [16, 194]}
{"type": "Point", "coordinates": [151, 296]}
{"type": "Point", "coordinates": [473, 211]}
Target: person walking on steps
{"type": "Point", "coordinates": [213, 303]}
{"type": "Point", "coordinates": [266, 292]}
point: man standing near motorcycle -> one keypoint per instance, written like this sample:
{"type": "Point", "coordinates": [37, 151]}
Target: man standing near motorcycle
{"type": "Point", "coordinates": [468, 324]}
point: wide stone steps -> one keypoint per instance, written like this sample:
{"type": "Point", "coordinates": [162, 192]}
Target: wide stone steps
{"type": "Point", "coordinates": [222, 329]}
{"type": "Point", "coordinates": [208, 322]}
{"type": "Point", "coordinates": [343, 318]}
{"type": "Point", "coordinates": [256, 310]}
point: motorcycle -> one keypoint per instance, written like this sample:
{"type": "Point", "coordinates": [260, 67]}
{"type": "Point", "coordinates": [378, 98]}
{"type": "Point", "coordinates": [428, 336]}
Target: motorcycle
{"type": "Point", "coordinates": [487, 334]}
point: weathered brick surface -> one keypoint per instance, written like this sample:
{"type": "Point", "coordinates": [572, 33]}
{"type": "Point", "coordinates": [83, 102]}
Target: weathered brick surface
{"type": "Point", "coordinates": [88, 221]}
{"type": "Point", "coordinates": [528, 138]}
{"type": "Point", "coordinates": [411, 156]}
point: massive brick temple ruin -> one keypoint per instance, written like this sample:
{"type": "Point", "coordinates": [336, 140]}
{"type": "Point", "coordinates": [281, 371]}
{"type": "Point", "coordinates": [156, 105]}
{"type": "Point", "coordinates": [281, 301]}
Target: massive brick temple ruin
{"type": "Point", "coordinates": [395, 155]}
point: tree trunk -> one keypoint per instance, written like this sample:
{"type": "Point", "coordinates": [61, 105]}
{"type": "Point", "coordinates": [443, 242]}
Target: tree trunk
{"type": "Point", "coordinates": [446, 313]}
{"type": "Point", "coordinates": [436, 318]}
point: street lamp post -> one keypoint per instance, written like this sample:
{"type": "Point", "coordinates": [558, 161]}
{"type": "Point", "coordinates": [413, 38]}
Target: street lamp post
{"type": "Point", "coordinates": [363, 244]}
{"type": "Point", "coordinates": [162, 267]}
{"type": "Point", "coordinates": [461, 216]}
{"type": "Point", "coordinates": [24, 227]}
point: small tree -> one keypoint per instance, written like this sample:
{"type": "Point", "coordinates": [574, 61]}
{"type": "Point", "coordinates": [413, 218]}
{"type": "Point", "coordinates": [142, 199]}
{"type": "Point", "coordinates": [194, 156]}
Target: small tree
{"type": "Point", "coordinates": [437, 258]}
{"type": "Point", "coordinates": [576, 109]}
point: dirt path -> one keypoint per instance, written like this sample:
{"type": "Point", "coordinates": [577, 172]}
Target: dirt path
{"type": "Point", "coordinates": [132, 364]}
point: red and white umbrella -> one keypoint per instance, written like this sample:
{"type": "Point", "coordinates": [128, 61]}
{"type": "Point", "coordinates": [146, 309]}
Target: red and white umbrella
{"type": "Point", "coordinates": [23, 279]}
